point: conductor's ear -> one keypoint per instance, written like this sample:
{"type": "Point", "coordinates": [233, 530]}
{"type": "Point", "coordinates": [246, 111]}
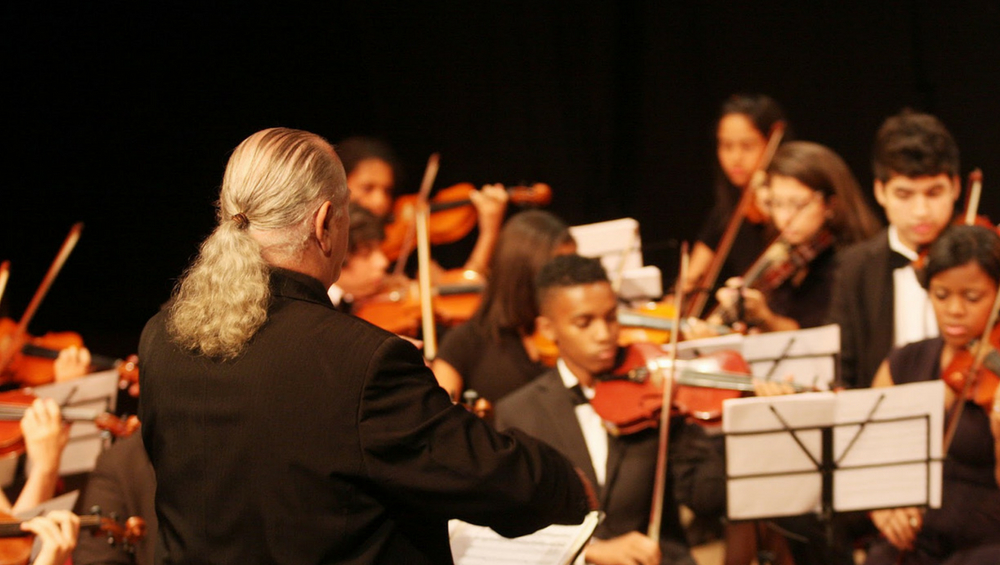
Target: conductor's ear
{"type": "Point", "coordinates": [323, 226]}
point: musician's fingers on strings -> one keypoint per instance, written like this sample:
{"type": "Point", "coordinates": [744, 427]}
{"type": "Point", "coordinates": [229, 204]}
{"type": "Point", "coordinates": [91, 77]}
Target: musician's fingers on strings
{"type": "Point", "coordinates": [773, 387]}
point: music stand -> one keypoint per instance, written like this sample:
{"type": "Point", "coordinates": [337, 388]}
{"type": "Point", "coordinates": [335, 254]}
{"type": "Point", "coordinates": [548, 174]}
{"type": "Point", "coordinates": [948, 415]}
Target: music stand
{"type": "Point", "coordinates": [618, 245]}
{"type": "Point", "coordinates": [827, 453]}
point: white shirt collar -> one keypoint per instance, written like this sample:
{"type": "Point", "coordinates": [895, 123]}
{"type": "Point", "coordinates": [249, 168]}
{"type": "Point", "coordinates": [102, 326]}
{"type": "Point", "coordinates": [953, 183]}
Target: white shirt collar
{"type": "Point", "coordinates": [569, 379]}
{"type": "Point", "coordinates": [336, 294]}
{"type": "Point", "coordinates": [896, 245]}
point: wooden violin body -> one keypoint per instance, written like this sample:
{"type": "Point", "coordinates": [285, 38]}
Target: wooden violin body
{"type": "Point", "coordinates": [452, 214]}
{"type": "Point", "coordinates": [456, 298]}
{"type": "Point", "coordinates": [630, 399]}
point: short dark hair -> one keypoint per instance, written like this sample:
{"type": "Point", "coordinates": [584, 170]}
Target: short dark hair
{"type": "Point", "coordinates": [913, 145]}
{"type": "Point", "coordinates": [365, 229]}
{"type": "Point", "coordinates": [567, 270]}
{"type": "Point", "coordinates": [960, 245]}
{"type": "Point", "coordinates": [762, 110]}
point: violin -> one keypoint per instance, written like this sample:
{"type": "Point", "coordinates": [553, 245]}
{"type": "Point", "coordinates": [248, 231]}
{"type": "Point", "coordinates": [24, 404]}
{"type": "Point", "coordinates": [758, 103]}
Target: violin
{"type": "Point", "coordinates": [975, 381]}
{"type": "Point", "coordinates": [456, 298]}
{"type": "Point", "coordinates": [629, 400]}
{"type": "Point", "coordinates": [15, 549]}
{"type": "Point", "coordinates": [13, 404]}
{"type": "Point", "coordinates": [452, 214]}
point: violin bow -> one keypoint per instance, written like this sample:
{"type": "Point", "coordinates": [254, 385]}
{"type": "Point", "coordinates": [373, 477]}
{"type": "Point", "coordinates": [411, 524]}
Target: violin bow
{"type": "Point", "coordinates": [422, 217]}
{"type": "Point", "coordinates": [977, 363]}
{"type": "Point", "coordinates": [729, 236]}
{"type": "Point", "coordinates": [972, 196]}
{"type": "Point", "coordinates": [22, 326]}
{"type": "Point", "coordinates": [659, 484]}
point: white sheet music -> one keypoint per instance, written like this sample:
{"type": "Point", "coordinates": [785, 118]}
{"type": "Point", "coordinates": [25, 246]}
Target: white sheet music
{"type": "Point", "coordinates": [892, 459]}
{"type": "Point", "coordinates": [554, 545]}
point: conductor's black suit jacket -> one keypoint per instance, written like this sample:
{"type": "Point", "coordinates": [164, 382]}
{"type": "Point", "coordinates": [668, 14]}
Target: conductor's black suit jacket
{"type": "Point", "coordinates": [328, 441]}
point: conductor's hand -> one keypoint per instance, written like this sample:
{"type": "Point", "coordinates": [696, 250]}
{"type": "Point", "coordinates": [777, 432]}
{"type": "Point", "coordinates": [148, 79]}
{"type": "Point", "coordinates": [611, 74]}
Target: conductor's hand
{"type": "Point", "coordinates": [899, 525]}
{"type": "Point", "coordinates": [58, 531]}
{"type": "Point", "coordinates": [630, 549]}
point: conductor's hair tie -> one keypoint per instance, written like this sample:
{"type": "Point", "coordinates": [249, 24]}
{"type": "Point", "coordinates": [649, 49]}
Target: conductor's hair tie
{"type": "Point", "coordinates": [241, 221]}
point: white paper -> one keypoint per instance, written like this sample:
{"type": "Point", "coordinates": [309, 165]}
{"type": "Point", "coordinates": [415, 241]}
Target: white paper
{"type": "Point", "coordinates": [892, 460]}
{"type": "Point", "coordinates": [808, 356]}
{"type": "Point", "coordinates": [554, 545]}
{"type": "Point", "coordinates": [610, 241]}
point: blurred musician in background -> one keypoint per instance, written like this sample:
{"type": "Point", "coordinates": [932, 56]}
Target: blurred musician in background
{"type": "Point", "coordinates": [745, 121]}
{"type": "Point", "coordinates": [877, 300]}
{"type": "Point", "coordinates": [496, 351]}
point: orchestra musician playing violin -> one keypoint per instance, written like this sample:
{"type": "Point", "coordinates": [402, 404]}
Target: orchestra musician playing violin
{"type": "Point", "coordinates": [961, 277]}
{"type": "Point", "coordinates": [281, 430]}
{"type": "Point", "coordinates": [816, 206]}
{"type": "Point", "coordinates": [496, 352]}
{"type": "Point", "coordinates": [744, 124]}
{"type": "Point", "coordinates": [45, 436]}
{"type": "Point", "coordinates": [363, 274]}
{"type": "Point", "coordinates": [877, 300]}
{"type": "Point", "coordinates": [372, 171]}
{"type": "Point", "coordinates": [578, 312]}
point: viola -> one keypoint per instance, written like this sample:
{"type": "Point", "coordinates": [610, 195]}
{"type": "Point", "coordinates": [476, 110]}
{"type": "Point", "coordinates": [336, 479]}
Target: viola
{"type": "Point", "coordinates": [629, 400]}
{"type": "Point", "coordinates": [15, 549]}
{"type": "Point", "coordinates": [452, 214]}
{"type": "Point", "coordinates": [13, 403]}
{"type": "Point", "coordinates": [972, 381]}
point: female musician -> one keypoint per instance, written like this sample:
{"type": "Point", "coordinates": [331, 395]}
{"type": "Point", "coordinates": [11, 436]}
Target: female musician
{"type": "Point", "coordinates": [495, 352]}
{"type": "Point", "coordinates": [741, 136]}
{"type": "Point", "coordinates": [363, 273]}
{"type": "Point", "coordinates": [962, 276]}
{"type": "Point", "coordinates": [813, 201]}
{"type": "Point", "coordinates": [371, 168]}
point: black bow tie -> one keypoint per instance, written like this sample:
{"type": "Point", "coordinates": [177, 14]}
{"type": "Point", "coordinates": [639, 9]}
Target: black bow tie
{"type": "Point", "coordinates": [897, 260]}
{"type": "Point", "coordinates": [577, 396]}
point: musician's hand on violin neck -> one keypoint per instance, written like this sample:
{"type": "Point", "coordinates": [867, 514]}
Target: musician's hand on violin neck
{"type": "Point", "coordinates": [773, 387]}
{"type": "Point", "coordinates": [73, 362]}
{"type": "Point", "coordinates": [45, 434]}
{"type": "Point", "coordinates": [58, 531]}
{"type": "Point", "coordinates": [490, 204]}
{"type": "Point", "coordinates": [627, 549]}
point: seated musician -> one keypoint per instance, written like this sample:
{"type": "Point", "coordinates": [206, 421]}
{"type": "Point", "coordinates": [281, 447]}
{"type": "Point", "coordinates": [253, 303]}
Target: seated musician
{"type": "Point", "coordinates": [578, 311]}
{"type": "Point", "coordinates": [371, 167]}
{"type": "Point", "coordinates": [742, 129]}
{"type": "Point", "coordinates": [495, 352]}
{"type": "Point", "coordinates": [363, 273]}
{"type": "Point", "coordinates": [961, 278]}
{"type": "Point", "coordinates": [815, 204]}
{"type": "Point", "coordinates": [877, 300]}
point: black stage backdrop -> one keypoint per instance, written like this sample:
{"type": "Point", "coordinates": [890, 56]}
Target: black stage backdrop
{"type": "Point", "coordinates": [122, 114]}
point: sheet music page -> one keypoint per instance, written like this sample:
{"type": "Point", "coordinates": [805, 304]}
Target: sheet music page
{"type": "Point", "coordinates": [692, 348]}
{"type": "Point", "coordinates": [809, 356]}
{"type": "Point", "coordinates": [770, 473]}
{"type": "Point", "coordinates": [887, 463]}
{"type": "Point", "coordinates": [97, 391]}
{"type": "Point", "coordinates": [554, 545]}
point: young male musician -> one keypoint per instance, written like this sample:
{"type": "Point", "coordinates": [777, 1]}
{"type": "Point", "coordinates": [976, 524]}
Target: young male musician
{"type": "Point", "coordinates": [877, 299]}
{"type": "Point", "coordinates": [578, 312]}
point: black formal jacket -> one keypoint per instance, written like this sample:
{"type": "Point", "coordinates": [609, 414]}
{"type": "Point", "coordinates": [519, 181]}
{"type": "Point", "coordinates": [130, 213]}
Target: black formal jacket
{"type": "Point", "coordinates": [544, 408]}
{"type": "Point", "coordinates": [328, 441]}
{"type": "Point", "coordinates": [862, 304]}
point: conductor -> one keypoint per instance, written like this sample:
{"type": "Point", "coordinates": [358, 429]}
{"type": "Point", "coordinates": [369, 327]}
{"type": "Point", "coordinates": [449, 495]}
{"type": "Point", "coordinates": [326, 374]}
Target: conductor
{"type": "Point", "coordinates": [282, 431]}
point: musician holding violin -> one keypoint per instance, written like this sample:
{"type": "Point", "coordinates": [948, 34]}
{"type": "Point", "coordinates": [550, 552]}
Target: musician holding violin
{"type": "Point", "coordinates": [496, 351]}
{"type": "Point", "coordinates": [961, 277]}
{"type": "Point", "coordinates": [372, 171]}
{"type": "Point", "coordinates": [877, 299]}
{"type": "Point", "coordinates": [363, 274]}
{"type": "Point", "coordinates": [742, 130]}
{"type": "Point", "coordinates": [578, 312]}
{"type": "Point", "coordinates": [816, 206]}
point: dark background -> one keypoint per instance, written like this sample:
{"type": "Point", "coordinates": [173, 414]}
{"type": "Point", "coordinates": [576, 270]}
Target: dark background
{"type": "Point", "coordinates": [122, 114]}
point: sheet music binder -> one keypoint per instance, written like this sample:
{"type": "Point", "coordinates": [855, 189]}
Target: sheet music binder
{"type": "Point", "coordinates": [554, 545]}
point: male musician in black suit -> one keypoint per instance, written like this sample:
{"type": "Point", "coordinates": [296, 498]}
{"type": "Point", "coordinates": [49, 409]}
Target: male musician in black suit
{"type": "Point", "coordinates": [283, 431]}
{"type": "Point", "coordinates": [877, 299]}
{"type": "Point", "coordinates": [578, 312]}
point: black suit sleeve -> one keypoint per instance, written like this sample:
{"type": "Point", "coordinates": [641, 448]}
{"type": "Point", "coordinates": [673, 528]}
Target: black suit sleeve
{"type": "Point", "coordinates": [845, 311]}
{"type": "Point", "coordinates": [430, 454]}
